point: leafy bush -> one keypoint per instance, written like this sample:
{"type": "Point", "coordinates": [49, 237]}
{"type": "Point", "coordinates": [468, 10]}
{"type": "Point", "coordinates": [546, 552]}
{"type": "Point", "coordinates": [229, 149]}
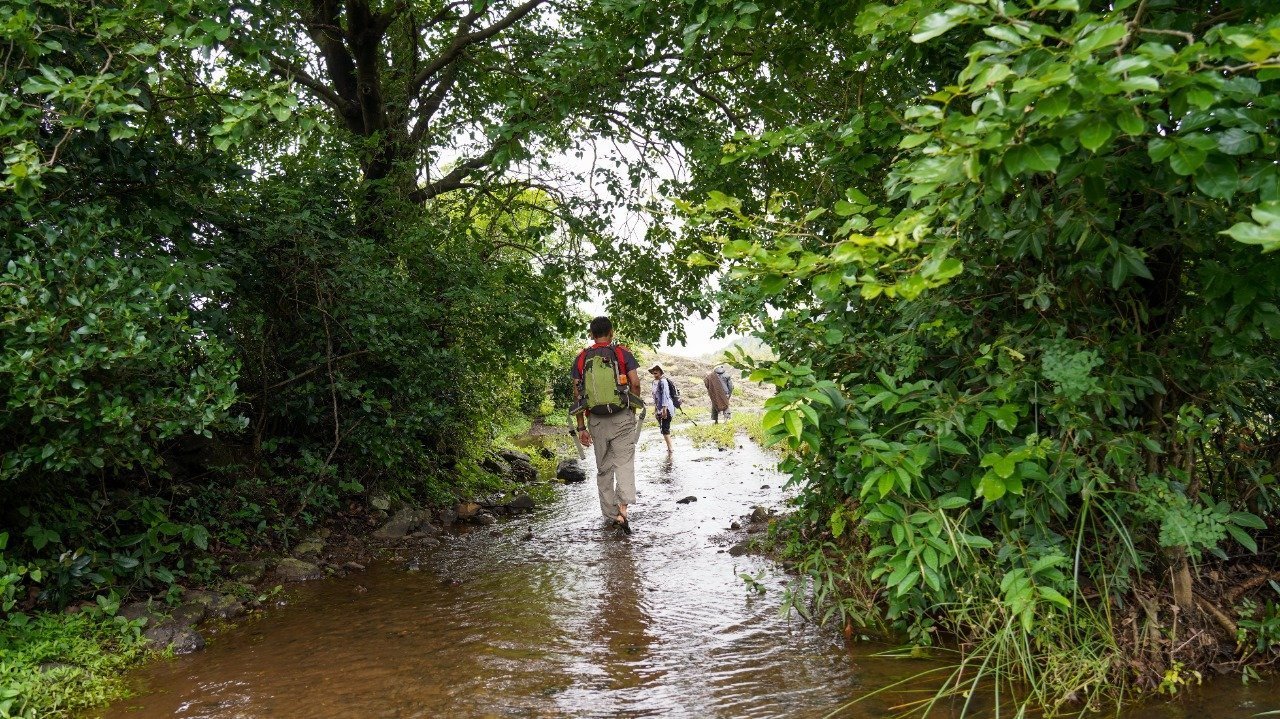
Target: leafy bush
{"type": "Point", "coordinates": [100, 358]}
{"type": "Point", "coordinates": [1029, 359]}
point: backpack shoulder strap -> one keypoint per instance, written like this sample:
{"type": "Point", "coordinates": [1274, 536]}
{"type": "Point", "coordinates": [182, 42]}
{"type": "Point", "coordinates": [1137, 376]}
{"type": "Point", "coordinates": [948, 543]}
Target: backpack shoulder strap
{"type": "Point", "coordinates": [622, 360]}
{"type": "Point", "coordinates": [582, 361]}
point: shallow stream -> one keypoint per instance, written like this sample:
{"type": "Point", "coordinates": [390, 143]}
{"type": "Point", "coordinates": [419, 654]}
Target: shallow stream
{"type": "Point", "coordinates": [556, 615]}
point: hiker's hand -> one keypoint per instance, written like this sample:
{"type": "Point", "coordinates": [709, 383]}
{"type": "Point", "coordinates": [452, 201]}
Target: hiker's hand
{"type": "Point", "coordinates": [585, 437]}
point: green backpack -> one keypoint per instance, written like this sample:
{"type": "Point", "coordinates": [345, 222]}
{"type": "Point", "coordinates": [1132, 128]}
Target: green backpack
{"type": "Point", "coordinates": [603, 387]}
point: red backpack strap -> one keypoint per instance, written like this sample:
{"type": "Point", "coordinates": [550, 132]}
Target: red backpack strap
{"type": "Point", "coordinates": [622, 361]}
{"type": "Point", "coordinates": [582, 362]}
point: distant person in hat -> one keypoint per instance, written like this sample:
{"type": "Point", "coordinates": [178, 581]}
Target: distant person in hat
{"type": "Point", "coordinates": [663, 402]}
{"type": "Point", "coordinates": [719, 390]}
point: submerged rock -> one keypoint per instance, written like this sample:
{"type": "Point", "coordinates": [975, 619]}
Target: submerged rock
{"type": "Point", "coordinates": [485, 518]}
{"type": "Point", "coordinates": [687, 500]}
{"type": "Point", "coordinates": [571, 471]}
{"type": "Point", "coordinates": [739, 549]}
{"type": "Point", "coordinates": [296, 570]}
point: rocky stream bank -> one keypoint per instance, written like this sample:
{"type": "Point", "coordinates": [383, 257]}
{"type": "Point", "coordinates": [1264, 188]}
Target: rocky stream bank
{"type": "Point", "coordinates": [180, 620]}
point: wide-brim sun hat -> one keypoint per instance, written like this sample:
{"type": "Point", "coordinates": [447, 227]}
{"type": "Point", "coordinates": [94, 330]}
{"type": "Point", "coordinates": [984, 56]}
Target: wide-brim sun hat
{"type": "Point", "coordinates": [656, 368]}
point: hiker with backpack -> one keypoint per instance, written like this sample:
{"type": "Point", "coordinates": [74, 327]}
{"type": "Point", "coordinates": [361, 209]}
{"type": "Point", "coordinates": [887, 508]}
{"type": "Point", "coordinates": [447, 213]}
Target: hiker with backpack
{"type": "Point", "coordinates": [666, 400]}
{"type": "Point", "coordinates": [719, 389]}
{"type": "Point", "coordinates": [606, 396]}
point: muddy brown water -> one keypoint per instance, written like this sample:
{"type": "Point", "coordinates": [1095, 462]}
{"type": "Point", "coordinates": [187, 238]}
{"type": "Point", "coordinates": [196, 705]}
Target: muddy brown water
{"type": "Point", "coordinates": [576, 621]}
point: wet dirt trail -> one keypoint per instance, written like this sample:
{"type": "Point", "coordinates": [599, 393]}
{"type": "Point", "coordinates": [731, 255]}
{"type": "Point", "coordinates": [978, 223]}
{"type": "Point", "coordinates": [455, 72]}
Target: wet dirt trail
{"type": "Point", "coordinates": [574, 621]}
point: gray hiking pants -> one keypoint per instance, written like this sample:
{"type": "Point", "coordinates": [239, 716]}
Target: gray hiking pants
{"type": "Point", "coordinates": [613, 438]}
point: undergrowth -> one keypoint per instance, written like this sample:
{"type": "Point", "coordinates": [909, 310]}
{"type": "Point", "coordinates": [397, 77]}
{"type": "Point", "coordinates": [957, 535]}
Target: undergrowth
{"type": "Point", "coordinates": [57, 665]}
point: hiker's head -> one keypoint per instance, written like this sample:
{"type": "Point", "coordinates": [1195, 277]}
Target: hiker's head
{"type": "Point", "coordinates": [720, 369]}
{"type": "Point", "coordinates": [601, 328]}
{"type": "Point", "coordinates": [656, 371]}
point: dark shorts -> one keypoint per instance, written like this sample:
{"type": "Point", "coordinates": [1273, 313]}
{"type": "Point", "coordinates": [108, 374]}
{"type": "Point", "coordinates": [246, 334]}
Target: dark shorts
{"type": "Point", "coordinates": [664, 423]}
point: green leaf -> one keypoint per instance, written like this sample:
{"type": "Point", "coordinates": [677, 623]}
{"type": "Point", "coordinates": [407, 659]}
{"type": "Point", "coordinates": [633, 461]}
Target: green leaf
{"type": "Point", "coordinates": [1131, 124]}
{"type": "Point", "coordinates": [717, 201]}
{"type": "Point", "coordinates": [1242, 537]}
{"type": "Point", "coordinates": [1218, 178]}
{"type": "Point", "coordinates": [885, 483]}
{"type": "Point", "coordinates": [773, 284]}
{"type": "Point", "coordinates": [1186, 158]}
{"type": "Point", "coordinates": [1032, 158]}
{"type": "Point", "coordinates": [1267, 236]}
{"type": "Point", "coordinates": [976, 541]}
{"type": "Point", "coordinates": [1246, 519]}
{"type": "Point", "coordinates": [1005, 467]}
{"type": "Point", "coordinates": [1095, 134]}
{"type": "Point", "coordinates": [794, 423]}
{"type": "Point", "coordinates": [1103, 37]}
{"type": "Point", "coordinates": [1236, 141]}
{"type": "Point", "coordinates": [940, 22]}
{"type": "Point", "coordinates": [1054, 596]}
{"type": "Point", "coordinates": [991, 487]}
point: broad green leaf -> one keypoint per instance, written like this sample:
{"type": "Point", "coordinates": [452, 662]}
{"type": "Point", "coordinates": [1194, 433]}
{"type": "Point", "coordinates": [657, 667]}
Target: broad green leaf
{"type": "Point", "coordinates": [1032, 158]}
{"type": "Point", "coordinates": [1218, 177]}
{"type": "Point", "coordinates": [773, 284]}
{"type": "Point", "coordinates": [1095, 134]}
{"type": "Point", "coordinates": [1246, 519]}
{"type": "Point", "coordinates": [991, 487]}
{"type": "Point", "coordinates": [794, 423]}
{"type": "Point", "coordinates": [1186, 158]}
{"type": "Point", "coordinates": [1236, 141]}
{"type": "Point", "coordinates": [1242, 537]}
{"type": "Point", "coordinates": [940, 22]}
{"type": "Point", "coordinates": [1130, 123]}
{"type": "Point", "coordinates": [1005, 467]}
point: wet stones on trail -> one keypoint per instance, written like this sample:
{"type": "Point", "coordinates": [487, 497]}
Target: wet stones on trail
{"type": "Point", "coordinates": [404, 523]}
{"type": "Point", "coordinates": [571, 471]}
{"type": "Point", "coordinates": [511, 465]}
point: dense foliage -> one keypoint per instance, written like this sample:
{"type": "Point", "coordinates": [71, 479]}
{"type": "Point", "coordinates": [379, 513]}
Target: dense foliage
{"type": "Point", "coordinates": [1028, 357]}
{"type": "Point", "coordinates": [260, 259]}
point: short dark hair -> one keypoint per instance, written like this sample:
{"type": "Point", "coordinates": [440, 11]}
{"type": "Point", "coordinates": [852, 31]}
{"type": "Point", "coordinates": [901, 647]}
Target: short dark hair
{"type": "Point", "coordinates": [600, 327]}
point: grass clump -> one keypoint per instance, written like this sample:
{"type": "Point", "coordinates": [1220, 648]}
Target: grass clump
{"type": "Point", "coordinates": [705, 433]}
{"type": "Point", "coordinates": [57, 665]}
